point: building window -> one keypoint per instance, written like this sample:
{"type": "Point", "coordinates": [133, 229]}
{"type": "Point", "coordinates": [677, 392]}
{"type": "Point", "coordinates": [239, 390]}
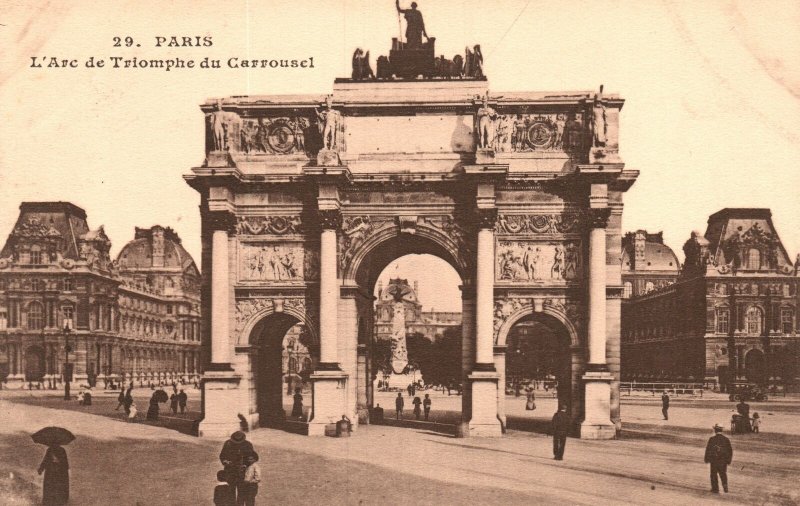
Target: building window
{"type": "Point", "coordinates": [36, 256]}
{"type": "Point", "coordinates": [68, 285]}
{"type": "Point", "coordinates": [35, 316]}
{"type": "Point", "coordinates": [787, 320]}
{"type": "Point", "coordinates": [723, 316]}
{"type": "Point", "coordinates": [753, 320]}
{"type": "Point", "coordinates": [36, 285]}
{"type": "Point", "coordinates": [753, 259]}
{"type": "Point", "coordinates": [2, 284]}
{"type": "Point", "coordinates": [3, 319]}
{"type": "Point", "coordinates": [627, 290]}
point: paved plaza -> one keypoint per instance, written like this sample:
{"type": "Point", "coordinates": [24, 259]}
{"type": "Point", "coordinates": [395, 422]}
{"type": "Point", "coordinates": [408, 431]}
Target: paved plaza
{"type": "Point", "coordinates": [655, 462]}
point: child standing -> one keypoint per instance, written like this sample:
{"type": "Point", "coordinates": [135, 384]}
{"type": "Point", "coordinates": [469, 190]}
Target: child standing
{"type": "Point", "coordinates": [252, 477]}
{"type": "Point", "coordinates": [756, 422]}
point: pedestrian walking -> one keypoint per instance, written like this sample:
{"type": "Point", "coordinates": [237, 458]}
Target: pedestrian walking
{"type": "Point", "coordinates": [297, 407]}
{"type": "Point", "coordinates": [665, 405]}
{"type": "Point", "coordinates": [719, 455]}
{"type": "Point", "coordinates": [417, 402]}
{"type": "Point", "coordinates": [560, 430]}
{"type": "Point", "coordinates": [128, 401]}
{"type": "Point", "coordinates": [398, 406]}
{"type": "Point", "coordinates": [756, 423]}
{"type": "Point", "coordinates": [427, 405]}
{"type": "Point", "coordinates": [153, 409]}
{"type": "Point", "coordinates": [120, 400]}
{"type": "Point", "coordinates": [252, 477]}
{"type": "Point", "coordinates": [55, 466]}
{"type": "Point", "coordinates": [232, 457]}
{"type": "Point", "coordinates": [182, 399]}
{"type": "Point", "coordinates": [530, 403]}
{"type": "Point", "coordinates": [173, 403]}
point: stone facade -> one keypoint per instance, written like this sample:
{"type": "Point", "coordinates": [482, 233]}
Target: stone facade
{"type": "Point", "coordinates": [729, 314]}
{"type": "Point", "coordinates": [133, 319]}
{"type": "Point", "coordinates": [305, 199]}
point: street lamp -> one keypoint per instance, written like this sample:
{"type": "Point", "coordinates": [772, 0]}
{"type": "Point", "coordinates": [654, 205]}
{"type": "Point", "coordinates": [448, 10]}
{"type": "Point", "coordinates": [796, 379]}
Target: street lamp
{"type": "Point", "coordinates": [67, 365]}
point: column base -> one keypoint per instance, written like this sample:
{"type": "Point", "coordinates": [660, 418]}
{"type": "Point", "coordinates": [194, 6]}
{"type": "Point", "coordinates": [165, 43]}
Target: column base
{"type": "Point", "coordinates": [597, 422]}
{"type": "Point", "coordinates": [328, 400]}
{"type": "Point", "coordinates": [219, 404]}
{"type": "Point", "coordinates": [484, 422]}
{"type": "Point", "coordinates": [15, 381]}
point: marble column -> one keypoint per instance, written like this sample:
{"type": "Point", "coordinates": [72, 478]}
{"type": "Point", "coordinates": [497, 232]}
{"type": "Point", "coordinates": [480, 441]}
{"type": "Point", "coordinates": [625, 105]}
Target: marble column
{"type": "Point", "coordinates": [329, 399]}
{"type": "Point", "coordinates": [484, 378]}
{"type": "Point", "coordinates": [597, 422]}
{"type": "Point", "coordinates": [220, 382]}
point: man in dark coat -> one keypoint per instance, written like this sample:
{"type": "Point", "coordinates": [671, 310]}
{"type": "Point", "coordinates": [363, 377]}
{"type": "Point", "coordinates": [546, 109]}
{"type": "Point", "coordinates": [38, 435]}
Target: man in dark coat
{"type": "Point", "coordinates": [719, 454]}
{"type": "Point", "coordinates": [665, 405]}
{"type": "Point", "coordinates": [232, 457]}
{"type": "Point", "coordinates": [560, 430]}
{"type": "Point", "coordinates": [182, 398]}
{"type": "Point", "coordinates": [744, 409]}
{"type": "Point", "coordinates": [55, 467]}
{"type": "Point", "coordinates": [398, 406]}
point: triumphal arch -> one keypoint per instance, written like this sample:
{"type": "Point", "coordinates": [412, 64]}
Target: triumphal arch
{"type": "Point", "coordinates": [305, 199]}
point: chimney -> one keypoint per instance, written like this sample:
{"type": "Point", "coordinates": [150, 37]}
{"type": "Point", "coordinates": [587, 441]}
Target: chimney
{"type": "Point", "coordinates": [157, 234]}
{"type": "Point", "coordinates": [416, 288]}
{"type": "Point", "coordinates": [638, 247]}
{"type": "Point", "coordinates": [380, 289]}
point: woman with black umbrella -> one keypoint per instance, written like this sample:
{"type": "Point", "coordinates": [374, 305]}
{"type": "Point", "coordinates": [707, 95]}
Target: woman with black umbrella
{"type": "Point", "coordinates": [55, 465]}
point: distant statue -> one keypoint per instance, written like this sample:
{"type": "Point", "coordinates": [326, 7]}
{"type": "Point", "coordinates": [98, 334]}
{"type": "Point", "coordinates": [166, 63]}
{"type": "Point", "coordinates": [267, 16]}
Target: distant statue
{"type": "Point", "coordinates": [415, 26]}
{"type": "Point", "coordinates": [382, 68]}
{"type": "Point", "coordinates": [797, 264]}
{"type": "Point", "coordinates": [599, 124]}
{"type": "Point", "coordinates": [361, 68]}
{"type": "Point", "coordinates": [473, 62]}
{"type": "Point", "coordinates": [486, 117]}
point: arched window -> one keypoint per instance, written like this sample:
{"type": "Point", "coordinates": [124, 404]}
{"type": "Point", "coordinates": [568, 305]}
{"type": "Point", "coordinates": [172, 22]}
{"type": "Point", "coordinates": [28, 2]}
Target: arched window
{"type": "Point", "coordinates": [35, 316]}
{"type": "Point", "coordinates": [753, 320]}
{"type": "Point", "coordinates": [723, 317]}
{"type": "Point", "coordinates": [753, 259]}
{"type": "Point", "coordinates": [627, 290]}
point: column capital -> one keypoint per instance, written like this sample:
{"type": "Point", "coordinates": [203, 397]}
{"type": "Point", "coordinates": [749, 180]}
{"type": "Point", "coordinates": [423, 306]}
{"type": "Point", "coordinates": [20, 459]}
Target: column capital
{"type": "Point", "coordinates": [221, 220]}
{"type": "Point", "coordinates": [330, 219]}
{"type": "Point", "coordinates": [486, 217]}
{"type": "Point", "coordinates": [598, 217]}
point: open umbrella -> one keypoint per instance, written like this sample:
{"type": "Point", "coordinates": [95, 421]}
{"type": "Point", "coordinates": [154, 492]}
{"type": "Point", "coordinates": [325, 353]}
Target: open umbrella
{"type": "Point", "coordinates": [53, 436]}
{"type": "Point", "coordinates": [161, 396]}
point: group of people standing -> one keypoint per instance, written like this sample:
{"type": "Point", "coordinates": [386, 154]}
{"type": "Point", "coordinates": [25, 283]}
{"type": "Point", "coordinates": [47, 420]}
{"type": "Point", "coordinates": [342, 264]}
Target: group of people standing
{"type": "Point", "coordinates": [419, 405]}
{"type": "Point", "coordinates": [241, 473]}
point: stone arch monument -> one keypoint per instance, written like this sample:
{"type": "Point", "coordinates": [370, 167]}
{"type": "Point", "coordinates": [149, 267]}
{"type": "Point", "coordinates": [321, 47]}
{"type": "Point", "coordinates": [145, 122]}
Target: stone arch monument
{"type": "Point", "coordinates": [305, 199]}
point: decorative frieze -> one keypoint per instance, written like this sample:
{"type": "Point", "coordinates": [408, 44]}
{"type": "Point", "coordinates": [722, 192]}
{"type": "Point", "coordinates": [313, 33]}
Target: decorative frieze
{"type": "Point", "coordinates": [537, 262]}
{"type": "Point", "coordinates": [275, 225]}
{"type": "Point", "coordinates": [562, 223]}
{"type": "Point", "coordinates": [277, 262]}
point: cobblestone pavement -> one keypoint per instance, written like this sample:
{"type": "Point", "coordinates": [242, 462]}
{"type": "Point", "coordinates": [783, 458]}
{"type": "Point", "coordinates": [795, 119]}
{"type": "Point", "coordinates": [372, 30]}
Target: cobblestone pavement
{"type": "Point", "coordinates": [655, 462]}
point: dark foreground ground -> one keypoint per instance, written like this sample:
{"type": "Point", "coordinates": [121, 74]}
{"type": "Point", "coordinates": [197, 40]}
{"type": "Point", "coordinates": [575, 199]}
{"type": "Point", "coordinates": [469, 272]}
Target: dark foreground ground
{"type": "Point", "coordinates": [656, 462]}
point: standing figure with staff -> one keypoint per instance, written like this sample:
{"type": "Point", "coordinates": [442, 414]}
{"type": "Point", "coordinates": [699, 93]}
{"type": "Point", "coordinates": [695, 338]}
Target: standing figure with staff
{"type": "Point", "coordinates": [415, 26]}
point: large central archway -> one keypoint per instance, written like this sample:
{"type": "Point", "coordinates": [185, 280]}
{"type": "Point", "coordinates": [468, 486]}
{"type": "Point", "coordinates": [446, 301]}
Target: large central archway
{"type": "Point", "coordinates": [371, 259]}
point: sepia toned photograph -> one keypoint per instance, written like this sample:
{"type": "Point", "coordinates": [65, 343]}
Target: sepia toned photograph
{"type": "Point", "coordinates": [367, 252]}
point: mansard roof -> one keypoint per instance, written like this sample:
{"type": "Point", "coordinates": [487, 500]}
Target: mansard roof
{"type": "Point", "coordinates": [62, 220]}
{"type": "Point", "coordinates": [731, 229]}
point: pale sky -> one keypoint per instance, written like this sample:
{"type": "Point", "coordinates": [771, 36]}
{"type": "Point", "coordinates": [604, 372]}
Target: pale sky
{"type": "Point", "coordinates": [712, 95]}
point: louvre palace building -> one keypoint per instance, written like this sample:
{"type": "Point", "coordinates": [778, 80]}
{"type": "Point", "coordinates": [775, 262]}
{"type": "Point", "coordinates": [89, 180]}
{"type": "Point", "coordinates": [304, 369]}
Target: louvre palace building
{"type": "Point", "coordinates": [729, 313]}
{"type": "Point", "coordinates": [64, 301]}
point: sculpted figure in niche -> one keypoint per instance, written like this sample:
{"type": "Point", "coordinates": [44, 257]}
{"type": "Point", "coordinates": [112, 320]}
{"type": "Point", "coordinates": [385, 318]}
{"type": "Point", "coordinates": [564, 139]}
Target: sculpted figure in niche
{"type": "Point", "coordinates": [599, 125]}
{"type": "Point", "coordinates": [520, 129]}
{"type": "Point", "coordinates": [218, 128]}
{"type": "Point", "coordinates": [505, 126]}
{"type": "Point", "coordinates": [486, 119]}
{"type": "Point", "coordinates": [415, 26]}
{"type": "Point", "coordinates": [571, 261]}
{"type": "Point", "coordinates": [328, 120]}
{"type": "Point", "coordinates": [560, 123]}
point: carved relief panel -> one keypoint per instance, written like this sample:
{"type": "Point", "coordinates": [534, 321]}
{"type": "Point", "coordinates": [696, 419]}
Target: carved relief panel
{"type": "Point", "coordinates": [557, 132]}
{"type": "Point", "coordinates": [278, 262]}
{"type": "Point", "coordinates": [537, 261]}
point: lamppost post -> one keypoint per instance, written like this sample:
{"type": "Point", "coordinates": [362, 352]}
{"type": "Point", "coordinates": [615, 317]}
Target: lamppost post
{"type": "Point", "coordinates": [67, 367]}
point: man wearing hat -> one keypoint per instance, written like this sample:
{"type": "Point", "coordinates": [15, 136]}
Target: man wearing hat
{"type": "Point", "coordinates": [560, 430]}
{"type": "Point", "coordinates": [719, 454]}
{"type": "Point", "coordinates": [232, 457]}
